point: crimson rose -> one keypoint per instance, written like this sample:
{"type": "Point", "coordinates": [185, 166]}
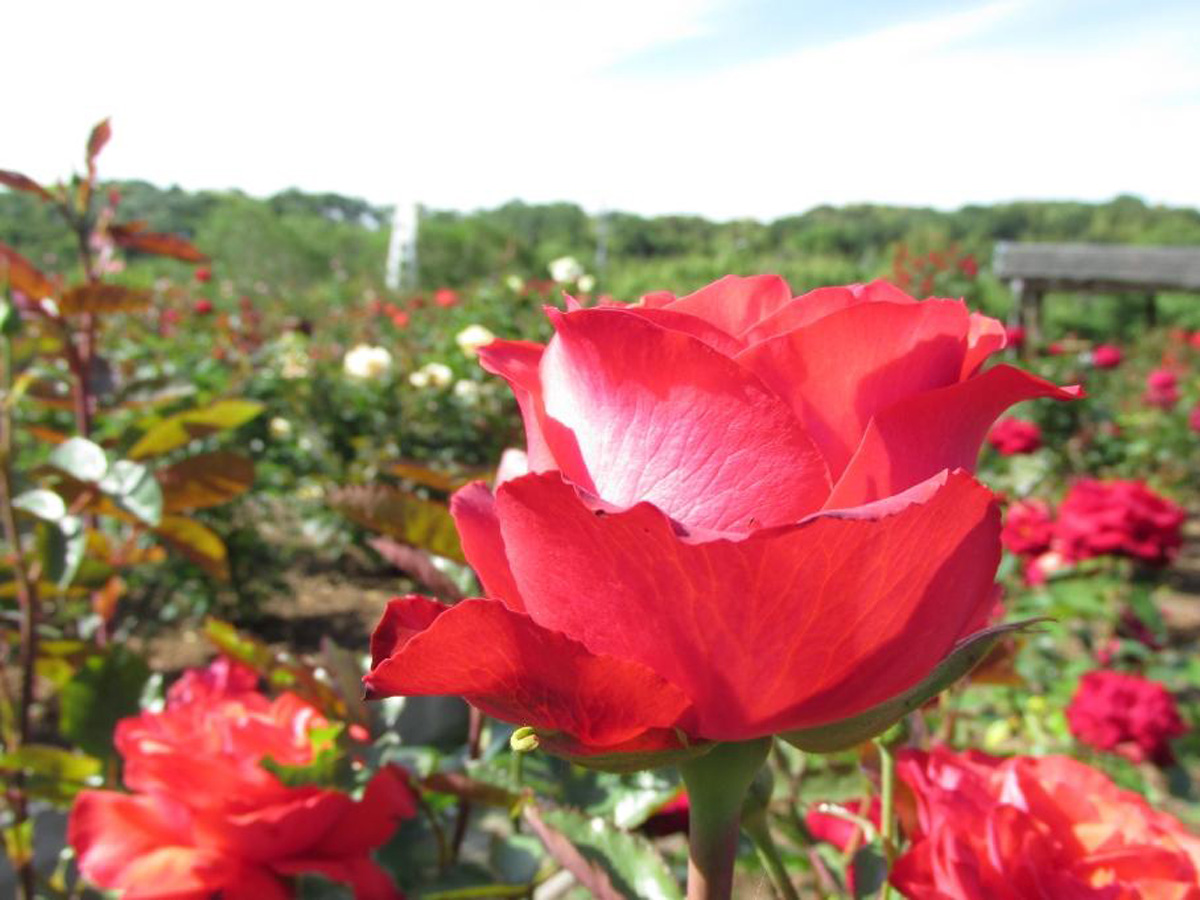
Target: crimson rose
{"type": "Point", "coordinates": [746, 513]}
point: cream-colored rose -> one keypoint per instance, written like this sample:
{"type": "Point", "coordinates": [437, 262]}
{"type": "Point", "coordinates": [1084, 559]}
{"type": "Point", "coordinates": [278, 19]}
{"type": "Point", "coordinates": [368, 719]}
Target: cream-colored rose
{"type": "Point", "coordinates": [432, 374]}
{"type": "Point", "coordinates": [471, 338]}
{"type": "Point", "coordinates": [366, 362]}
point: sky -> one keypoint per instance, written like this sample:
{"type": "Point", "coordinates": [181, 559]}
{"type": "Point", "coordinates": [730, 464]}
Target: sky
{"type": "Point", "coordinates": [724, 108]}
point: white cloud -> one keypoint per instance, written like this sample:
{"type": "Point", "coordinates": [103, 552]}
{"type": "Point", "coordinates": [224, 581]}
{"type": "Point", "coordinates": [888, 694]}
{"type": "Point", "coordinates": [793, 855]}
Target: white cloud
{"type": "Point", "coordinates": [470, 104]}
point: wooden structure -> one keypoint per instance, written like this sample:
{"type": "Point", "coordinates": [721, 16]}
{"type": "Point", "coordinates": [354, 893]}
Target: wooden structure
{"type": "Point", "coordinates": [1032, 270]}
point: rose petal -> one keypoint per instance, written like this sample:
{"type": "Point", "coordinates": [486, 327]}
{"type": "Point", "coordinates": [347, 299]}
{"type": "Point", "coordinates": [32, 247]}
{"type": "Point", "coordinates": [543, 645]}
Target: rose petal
{"type": "Point", "coordinates": [474, 513]}
{"type": "Point", "coordinates": [688, 324]}
{"type": "Point", "coordinates": [657, 415]}
{"type": "Point", "coordinates": [517, 363]}
{"type": "Point", "coordinates": [941, 429]}
{"type": "Point", "coordinates": [140, 843]}
{"type": "Point", "coordinates": [986, 336]}
{"type": "Point", "coordinates": [790, 627]}
{"type": "Point", "coordinates": [735, 304]}
{"type": "Point", "coordinates": [510, 667]}
{"type": "Point", "coordinates": [844, 368]}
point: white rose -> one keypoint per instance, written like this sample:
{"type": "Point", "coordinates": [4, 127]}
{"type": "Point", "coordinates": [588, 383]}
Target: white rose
{"type": "Point", "coordinates": [280, 427]}
{"type": "Point", "coordinates": [471, 338]}
{"type": "Point", "coordinates": [566, 269]}
{"type": "Point", "coordinates": [466, 390]}
{"type": "Point", "coordinates": [366, 362]}
{"type": "Point", "coordinates": [433, 374]}
{"type": "Point", "coordinates": [586, 283]}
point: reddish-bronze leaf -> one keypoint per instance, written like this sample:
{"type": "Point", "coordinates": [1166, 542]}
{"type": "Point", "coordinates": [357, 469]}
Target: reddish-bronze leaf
{"type": "Point", "coordinates": [19, 182]}
{"type": "Point", "coordinates": [22, 275]}
{"type": "Point", "coordinates": [132, 237]}
{"type": "Point", "coordinates": [209, 479]}
{"type": "Point", "coordinates": [46, 435]}
{"type": "Point", "coordinates": [96, 141]}
{"type": "Point", "coordinates": [103, 299]}
{"type": "Point", "coordinates": [417, 563]}
{"type": "Point", "coordinates": [401, 515]}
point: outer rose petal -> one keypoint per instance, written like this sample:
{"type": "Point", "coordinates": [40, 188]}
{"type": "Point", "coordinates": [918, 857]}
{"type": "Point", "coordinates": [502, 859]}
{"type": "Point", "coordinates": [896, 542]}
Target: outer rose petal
{"type": "Point", "coordinates": [987, 335]}
{"type": "Point", "coordinates": [917, 437]}
{"type": "Point", "coordinates": [735, 304]}
{"type": "Point", "coordinates": [815, 305]}
{"type": "Point", "coordinates": [790, 627]}
{"type": "Point", "coordinates": [843, 369]}
{"type": "Point", "coordinates": [517, 363]}
{"type": "Point", "coordinates": [510, 667]}
{"type": "Point", "coordinates": [474, 512]}
{"type": "Point", "coordinates": [142, 844]}
{"type": "Point", "coordinates": [657, 415]}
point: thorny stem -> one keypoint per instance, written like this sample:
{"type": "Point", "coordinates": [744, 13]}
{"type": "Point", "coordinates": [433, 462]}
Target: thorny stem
{"type": "Point", "coordinates": [27, 599]}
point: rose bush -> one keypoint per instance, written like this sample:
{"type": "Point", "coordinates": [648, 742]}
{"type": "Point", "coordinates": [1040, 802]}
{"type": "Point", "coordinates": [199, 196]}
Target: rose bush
{"type": "Point", "coordinates": [1011, 436]}
{"type": "Point", "coordinates": [1126, 714]}
{"type": "Point", "coordinates": [1030, 828]}
{"type": "Point", "coordinates": [1122, 517]}
{"type": "Point", "coordinates": [207, 818]}
{"type": "Point", "coordinates": [745, 513]}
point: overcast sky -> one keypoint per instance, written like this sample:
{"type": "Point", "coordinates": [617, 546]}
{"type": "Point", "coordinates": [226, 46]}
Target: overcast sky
{"type": "Point", "coordinates": [727, 108]}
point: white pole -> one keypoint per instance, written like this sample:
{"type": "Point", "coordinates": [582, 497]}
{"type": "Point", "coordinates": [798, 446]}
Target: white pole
{"type": "Point", "coordinates": [401, 271]}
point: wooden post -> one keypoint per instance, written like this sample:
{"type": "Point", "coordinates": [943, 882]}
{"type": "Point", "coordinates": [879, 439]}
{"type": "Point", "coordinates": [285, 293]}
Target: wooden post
{"type": "Point", "coordinates": [1029, 309]}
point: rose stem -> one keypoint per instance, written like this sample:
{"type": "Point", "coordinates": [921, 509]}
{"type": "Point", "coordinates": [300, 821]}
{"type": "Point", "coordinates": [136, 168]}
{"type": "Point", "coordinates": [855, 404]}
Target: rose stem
{"type": "Point", "coordinates": [717, 783]}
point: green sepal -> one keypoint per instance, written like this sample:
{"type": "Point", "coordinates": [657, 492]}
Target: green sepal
{"type": "Point", "coordinates": [851, 732]}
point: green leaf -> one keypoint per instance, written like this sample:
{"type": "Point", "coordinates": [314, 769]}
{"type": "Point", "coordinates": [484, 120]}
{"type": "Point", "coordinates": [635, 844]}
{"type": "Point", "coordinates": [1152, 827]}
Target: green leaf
{"type": "Point", "coordinates": [327, 766]}
{"type": "Point", "coordinates": [63, 545]}
{"type": "Point", "coordinates": [105, 690]}
{"type": "Point", "coordinates": [135, 489]}
{"type": "Point", "coordinates": [181, 428]}
{"type": "Point", "coordinates": [398, 514]}
{"type": "Point", "coordinates": [44, 504]}
{"type": "Point", "coordinates": [605, 860]}
{"type": "Point", "coordinates": [80, 459]}
{"type": "Point", "coordinates": [57, 763]}
{"type": "Point", "coordinates": [853, 731]}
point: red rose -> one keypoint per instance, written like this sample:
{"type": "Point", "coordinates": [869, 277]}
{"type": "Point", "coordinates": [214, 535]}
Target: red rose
{"type": "Point", "coordinates": [1162, 389]}
{"type": "Point", "coordinates": [1194, 419]}
{"type": "Point", "coordinates": [445, 298]}
{"type": "Point", "coordinates": [1028, 527]}
{"type": "Point", "coordinates": [670, 818]}
{"type": "Point", "coordinates": [203, 307]}
{"type": "Point", "coordinates": [1014, 336]}
{"type": "Point", "coordinates": [839, 831]}
{"type": "Point", "coordinates": [1125, 714]}
{"type": "Point", "coordinates": [1011, 436]}
{"type": "Point", "coordinates": [203, 275]}
{"type": "Point", "coordinates": [400, 318]}
{"type": "Point", "coordinates": [1029, 828]}
{"type": "Point", "coordinates": [1125, 518]}
{"type": "Point", "coordinates": [1107, 356]}
{"type": "Point", "coordinates": [1194, 339]}
{"type": "Point", "coordinates": [207, 819]}
{"type": "Point", "coordinates": [746, 513]}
